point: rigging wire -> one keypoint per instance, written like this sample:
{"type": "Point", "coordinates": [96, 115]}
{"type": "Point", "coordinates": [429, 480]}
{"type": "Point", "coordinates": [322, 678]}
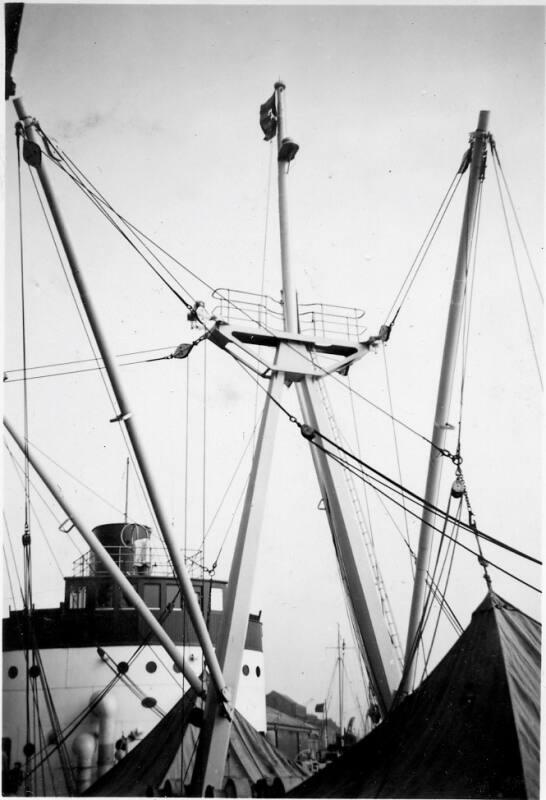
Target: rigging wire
{"type": "Point", "coordinates": [496, 158]}
{"type": "Point", "coordinates": [26, 539]}
{"type": "Point", "coordinates": [425, 246]}
{"type": "Point", "coordinates": [8, 573]}
{"type": "Point", "coordinates": [516, 269]}
{"type": "Point", "coordinates": [37, 492]}
{"type": "Point", "coordinates": [467, 301]}
{"type": "Point", "coordinates": [9, 372]}
{"type": "Point", "coordinates": [310, 434]}
{"type": "Point", "coordinates": [205, 283]}
{"type": "Point", "coordinates": [71, 726]}
{"type": "Point", "coordinates": [14, 560]}
{"type": "Point", "coordinates": [232, 303]}
{"type": "Point", "coordinates": [450, 614]}
{"type": "Point", "coordinates": [397, 452]}
{"type": "Point", "coordinates": [359, 472]}
{"type": "Point", "coordinates": [109, 391]}
{"type": "Point", "coordinates": [74, 478]}
{"type": "Point", "coordinates": [425, 611]}
{"type": "Point", "coordinates": [363, 476]}
{"type": "Point", "coordinates": [102, 205]}
{"type": "Point", "coordinates": [440, 609]}
{"type": "Point", "coordinates": [18, 470]}
{"type": "Point", "coordinates": [437, 574]}
{"type": "Point", "coordinates": [204, 468]}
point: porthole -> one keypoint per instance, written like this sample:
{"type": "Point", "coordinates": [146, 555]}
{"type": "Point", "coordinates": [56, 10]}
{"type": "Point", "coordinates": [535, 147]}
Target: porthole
{"type": "Point", "coordinates": [149, 702]}
{"type": "Point", "coordinates": [151, 666]}
{"type": "Point", "coordinates": [245, 669]}
{"type": "Point", "coordinates": [13, 672]}
{"type": "Point", "coordinates": [258, 672]}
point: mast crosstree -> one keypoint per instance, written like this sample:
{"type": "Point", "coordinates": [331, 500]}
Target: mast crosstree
{"type": "Point", "coordinates": [294, 362]}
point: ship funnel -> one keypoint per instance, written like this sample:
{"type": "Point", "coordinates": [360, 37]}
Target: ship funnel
{"type": "Point", "coordinates": [128, 543]}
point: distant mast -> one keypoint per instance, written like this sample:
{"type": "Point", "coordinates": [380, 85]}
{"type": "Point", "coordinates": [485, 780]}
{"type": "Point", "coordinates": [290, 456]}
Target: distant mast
{"type": "Point", "coordinates": [478, 144]}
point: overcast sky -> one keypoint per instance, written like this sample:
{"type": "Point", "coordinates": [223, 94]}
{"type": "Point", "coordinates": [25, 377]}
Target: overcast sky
{"type": "Point", "coordinates": [158, 105]}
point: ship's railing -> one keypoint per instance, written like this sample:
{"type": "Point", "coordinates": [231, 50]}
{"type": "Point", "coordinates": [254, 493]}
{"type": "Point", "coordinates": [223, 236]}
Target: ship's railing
{"type": "Point", "coordinates": [139, 560]}
{"type": "Point", "coordinates": [321, 320]}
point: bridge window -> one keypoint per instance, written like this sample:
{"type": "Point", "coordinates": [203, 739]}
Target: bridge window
{"type": "Point", "coordinates": [77, 597]}
{"type": "Point", "coordinates": [172, 594]}
{"type": "Point", "coordinates": [216, 599]}
{"type": "Point", "coordinates": [152, 594]}
{"type": "Point", "coordinates": [105, 595]}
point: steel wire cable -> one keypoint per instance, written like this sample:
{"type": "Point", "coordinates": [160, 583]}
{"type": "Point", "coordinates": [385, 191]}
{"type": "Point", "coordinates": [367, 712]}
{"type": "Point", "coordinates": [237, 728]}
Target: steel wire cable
{"type": "Point", "coordinates": [108, 389]}
{"type": "Point", "coordinates": [201, 280]}
{"type": "Point", "coordinates": [518, 277]}
{"type": "Point", "coordinates": [436, 626]}
{"type": "Point", "coordinates": [437, 220]}
{"type": "Point", "coordinates": [19, 582]}
{"type": "Point", "coordinates": [241, 310]}
{"type": "Point", "coordinates": [438, 530]}
{"type": "Point", "coordinates": [359, 471]}
{"type": "Point", "coordinates": [496, 158]}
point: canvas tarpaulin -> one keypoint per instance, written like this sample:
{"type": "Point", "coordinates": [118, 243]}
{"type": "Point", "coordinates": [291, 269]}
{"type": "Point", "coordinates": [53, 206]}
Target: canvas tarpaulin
{"type": "Point", "coordinates": [472, 729]}
{"type": "Point", "coordinates": [143, 769]}
{"type": "Point", "coordinates": [165, 757]}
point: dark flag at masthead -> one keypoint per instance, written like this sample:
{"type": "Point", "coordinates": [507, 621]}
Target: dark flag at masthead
{"type": "Point", "coordinates": [268, 118]}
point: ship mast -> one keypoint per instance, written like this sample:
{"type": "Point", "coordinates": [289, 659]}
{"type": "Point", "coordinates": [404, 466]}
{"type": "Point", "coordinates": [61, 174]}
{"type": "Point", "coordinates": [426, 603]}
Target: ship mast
{"type": "Point", "coordinates": [32, 153]}
{"type": "Point", "coordinates": [476, 175]}
{"type": "Point", "coordinates": [294, 362]}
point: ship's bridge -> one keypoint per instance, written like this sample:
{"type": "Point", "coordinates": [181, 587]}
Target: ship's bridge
{"type": "Point", "coordinates": [95, 609]}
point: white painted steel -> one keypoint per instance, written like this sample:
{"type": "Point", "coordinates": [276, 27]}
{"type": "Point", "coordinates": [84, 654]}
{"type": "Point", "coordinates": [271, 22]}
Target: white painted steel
{"type": "Point", "coordinates": [378, 649]}
{"type": "Point", "coordinates": [290, 306]}
{"type": "Point", "coordinates": [116, 573]}
{"type": "Point", "coordinates": [214, 739]}
{"type": "Point", "coordinates": [443, 401]}
{"type": "Point", "coordinates": [124, 417]}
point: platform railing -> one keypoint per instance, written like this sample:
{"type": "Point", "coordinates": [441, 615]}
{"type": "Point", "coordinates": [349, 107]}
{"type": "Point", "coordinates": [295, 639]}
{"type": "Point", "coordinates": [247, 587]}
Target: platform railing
{"type": "Point", "coordinates": [140, 560]}
{"type": "Point", "coordinates": [323, 320]}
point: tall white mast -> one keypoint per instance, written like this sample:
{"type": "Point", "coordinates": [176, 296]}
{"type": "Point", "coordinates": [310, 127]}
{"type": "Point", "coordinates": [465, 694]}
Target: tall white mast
{"type": "Point", "coordinates": [439, 430]}
{"type": "Point", "coordinates": [288, 291]}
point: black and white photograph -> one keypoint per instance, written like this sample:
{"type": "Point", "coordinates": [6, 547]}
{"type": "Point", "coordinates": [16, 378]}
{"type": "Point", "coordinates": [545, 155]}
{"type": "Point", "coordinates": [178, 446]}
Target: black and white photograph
{"type": "Point", "coordinates": [272, 396]}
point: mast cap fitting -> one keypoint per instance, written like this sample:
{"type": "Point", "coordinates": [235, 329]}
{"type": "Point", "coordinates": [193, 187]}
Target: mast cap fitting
{"type": "Point", "coordinates": [279, 85]}
{"type": "Point", "coordinates": [288, 150]}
